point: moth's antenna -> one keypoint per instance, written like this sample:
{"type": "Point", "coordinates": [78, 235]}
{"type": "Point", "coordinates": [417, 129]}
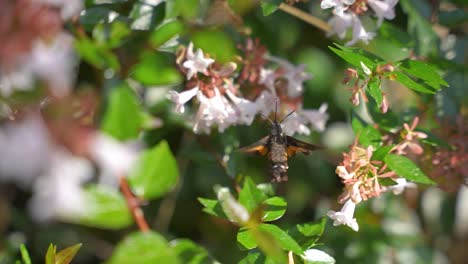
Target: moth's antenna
{"type": "Point", "coordinates": [287, 116]}
{"type": "Point", "coordinates": [276, 108]}
{"type": "Point", "coordinates": [266, 117]}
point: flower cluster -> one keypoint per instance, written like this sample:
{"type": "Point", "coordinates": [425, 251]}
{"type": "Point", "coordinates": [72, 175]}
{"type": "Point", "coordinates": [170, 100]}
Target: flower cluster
{"type": "Point", "coordinates": [362, 179]}
{"type": "Point", "coordinates": [347, 13]}
{"type": "Point", "coordinates": [360, 84]}
{"type": "Point", "coordinates": [228, 98]}
{"type": "Point", "coordinates": [35, 46]}
{"type": "Point", "coordinates": [56, 161]}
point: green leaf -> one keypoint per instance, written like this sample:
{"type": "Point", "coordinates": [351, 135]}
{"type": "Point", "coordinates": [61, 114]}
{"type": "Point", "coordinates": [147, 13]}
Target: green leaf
{"type": "Point", "coordinates": [315, 256]}
{"type": "Point", "coordinates": [123, 118]}
{"type": "Point", "coordinates": [250, 196]}
{"type": "Point", "coordinates": [105, 208]}
{"type": "Point", "coordinates": [224, 50]}
{"type": "Point", "coordinates": [246, 239]}
{"type": "Point", "coordinates": [419, 27]}
{"type": "Point", "coordinates": [357, 123]}
{"type": "Point", "coordinates": [388, 121]}
{"type": "Point", "coordinates": [381, 152]}
{"type": "Point", "coordinates": [98, 56]}
{"type": "Point", "coordinates": [65, 256]}
{"type": "Point", "coordinates": [143, 248]}
{"type": "Point", "coordinates": [157, 172]}
{"type": "Point", "coordinates": [426, 72]}
{"type": "Point", "coordinates": [146, 14]}
{"type": "Point", "coordinates": [387, 182]}
{"type": "Point", "coordinates": [275, 207]}
{"type": "Point", "coordinates": [254, 237]}
{"type": "Point", "coordinates": [370, 136]}
{"type": "Point", "coordinates": [155, 69]}
{"type": "Point", "coordinates": [270, 6]}
{"type": "Point", "coordinates": [307, 235]}
{"type": "Point", "coordinates": [355, 56]}
{"type": "Point", "coordinates": [51, 253]}
{"type": "Point", "coordinates": [374, 90]}
{"type": "Point", "coordinates": [405, 168]}
{"type": "Point", "coordinates": [25, 254]}
{"type": "Point", "coordinates": [212, 207]}
{"type": "Point", "coordinates": [165, 32]}
{"type": "Point", "coordinates": [410, 83]}
{"type": "Point", "coordinates": [190, 253]}
{"type": "Point", "coordinates": [110, 35]}
{"type": "Point", "coordinates": [94, 15]}
{"type": "Point", "coordinates": [285, 241]}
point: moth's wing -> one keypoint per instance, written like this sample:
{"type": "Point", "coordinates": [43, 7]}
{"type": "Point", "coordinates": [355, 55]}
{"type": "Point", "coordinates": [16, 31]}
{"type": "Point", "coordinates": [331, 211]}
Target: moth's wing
{"type": "Point", "coordinates": [260, 147]}
{"type": "Point", "coordinates": [294, 146]}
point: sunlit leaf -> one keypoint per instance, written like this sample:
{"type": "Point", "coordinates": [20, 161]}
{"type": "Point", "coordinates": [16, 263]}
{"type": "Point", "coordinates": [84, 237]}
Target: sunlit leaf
{"type": "Point", "coordinates": [270, 6]}
{"type": "Point", "coordinates": [66, 255]}
{"type": "Point", "coordinates": [307, 235]}
{"type": "Point", "coordinates": [374, 90]}
{"type": "Point", "coordinates": [25, 254]}
{"type": "Point", "coordinates": [274, 208]}
{"type": "Point", "coordinates": [424, 71]}
{"type": "Point", "coordinates": [212, 207]}
{"type": "Point", "coordinates": [224, 50]}
{"type": "Point", "coordinates": [105, 208]}
{"type": "Point", "coordinates": [144, 248]}
{"type": "Point", "coordinates": [155, 69]}
{"type": "Point", "coordinates": [381, 152]}
{"type": "Point", "coordinates": [355, 56]}
{"type": "Point", "coordinates": [190, 253]}
{"type": "Point", "coordinates": [165, 32]}
{"type": "Point", "coordinates": [250, 196]}
{"type": "Point", "coordinates": [122, 119]}
{"type": "Point", "coordinates": [156, 174]}
{"type": "Point", "coordinates": [410, 83]}
{"type": "Point", "coordinates": [405, 168]}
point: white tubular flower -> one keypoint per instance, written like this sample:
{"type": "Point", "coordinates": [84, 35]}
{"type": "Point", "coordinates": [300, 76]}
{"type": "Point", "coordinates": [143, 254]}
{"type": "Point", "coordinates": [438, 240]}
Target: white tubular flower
{"type": "Point", "coordinates": [214, 110]}
{"type": "Point", "coordinates": [345, 216]}
{"type": "Point", "coordinates": [113, 158]}
{"type": "Point", "coordinates": [359, 32]}
{"type": "Point", "coordinates": [339, 6]}
{"type": "Point", "coordinates": [196, 63]}
{"type": "Point", "coordinates": [317, 256]}
{"type": "Point", "coordinates": [54, 62]}
{"type": "Point", "coordinates": [245, 109]}
{"type": "Point", "coordinates": [19, 79]}
{"type": "Point", "coordinates": [182, 98]}
{"type": "Point", "coordinates": [401, 185]}
{"type": "Point", "coordinates": [339, 24]}
{"type": "Point", "coordinates": [266, 102]}
{"type": "Point", "coordinates": [383, 9]}
{"type": "Point", "coordinates": [267, 77]}
{"type": "Point", "coordinates": [343, 173]}
{"type": "Point", "coordinates": [317, 118]}
{"type": "Point", "coordinates": [58, 192]}
{"type": "Point", "coordinates": [68, 8]}
{"type": "Point", "coordinates": [25, 150]}
{"type": "Point", "coordinates": [295, 124]}
{"type": "Point", "coordinates": [295, 76]}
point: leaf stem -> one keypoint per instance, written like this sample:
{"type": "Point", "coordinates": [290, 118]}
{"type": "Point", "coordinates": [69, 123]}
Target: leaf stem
{"type": "Point", "coordinates": [314, 21]}
{"type": "Point", "coordinates": [133, 205]}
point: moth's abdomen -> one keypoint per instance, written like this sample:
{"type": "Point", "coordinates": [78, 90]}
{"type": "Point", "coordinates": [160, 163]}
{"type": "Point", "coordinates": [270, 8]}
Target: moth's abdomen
{"type": "Point", "coordinates": [279, 171]}
{"type": "Point", "coordinates": [278, 153]}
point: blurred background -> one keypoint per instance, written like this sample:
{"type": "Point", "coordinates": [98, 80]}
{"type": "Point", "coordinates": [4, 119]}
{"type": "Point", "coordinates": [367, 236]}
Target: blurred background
{"type": "Point", "coordinates": [57, 131]}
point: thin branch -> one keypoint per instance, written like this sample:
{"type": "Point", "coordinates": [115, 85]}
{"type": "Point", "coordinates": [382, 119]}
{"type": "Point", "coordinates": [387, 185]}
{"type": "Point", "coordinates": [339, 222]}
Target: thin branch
{"type": "Point", "coordinates": [134, 205]}
{"type": "Point", "coordinates": [315, 21]}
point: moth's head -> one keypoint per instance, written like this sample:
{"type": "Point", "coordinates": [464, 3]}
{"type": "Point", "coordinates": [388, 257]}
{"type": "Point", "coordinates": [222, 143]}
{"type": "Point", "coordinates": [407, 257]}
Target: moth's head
{"type": "Point", "coordinates": [275, 128]}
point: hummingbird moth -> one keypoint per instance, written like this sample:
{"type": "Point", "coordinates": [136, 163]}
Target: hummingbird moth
{"type": "Point", "coordinates": [278, 147]}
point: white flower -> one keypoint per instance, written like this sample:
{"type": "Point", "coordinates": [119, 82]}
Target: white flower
{"type": "Point", "coordinates": [245, 109]}
{"type": "Point", "coordinates": [68, 8]}
{"type": "Point", "coordinates": [196, 62]}
{"type": "Point", "coordinates": [317, 256]}
{"type": "Point", "coordinates": [58, 192]}
{"type": "Point", "coordinates": [359, 32]}
{"type": "Point", "coordinates": [402, 183]}
{"type": "Point", "coordinates": [113, 158]}
{"type": "Point", "coordinates": [295, 124]}
{"type": "Point", "coordinates": [54, 62]}
{"type": "Point", "coordinates": [20, 78]}
{"type": "Point", "coordinates": [343, 173]}
{"type": "Point", "coordinates": [24, 150]}
{"type": "Point", "coordinates": [317, 118]}
{"type": "Point", "coordinates": [295, 76]}
{"type": "Point", "coordinates": [215, 110]}
{"type": "Point", "coordinates": [345, 216]}
{"type": "Point", "coordinates": [383, 9]}
{"type": "Point", "coordinates": [181, 98]}
{"type": "Point", "coordinates": [266, 102]}
{"type": "Point", "coordinates": [339, 5]}
{"type": "Point", "coordinates": [340, 24]}
{"type": "Point", "coordinates": [267, 77]}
